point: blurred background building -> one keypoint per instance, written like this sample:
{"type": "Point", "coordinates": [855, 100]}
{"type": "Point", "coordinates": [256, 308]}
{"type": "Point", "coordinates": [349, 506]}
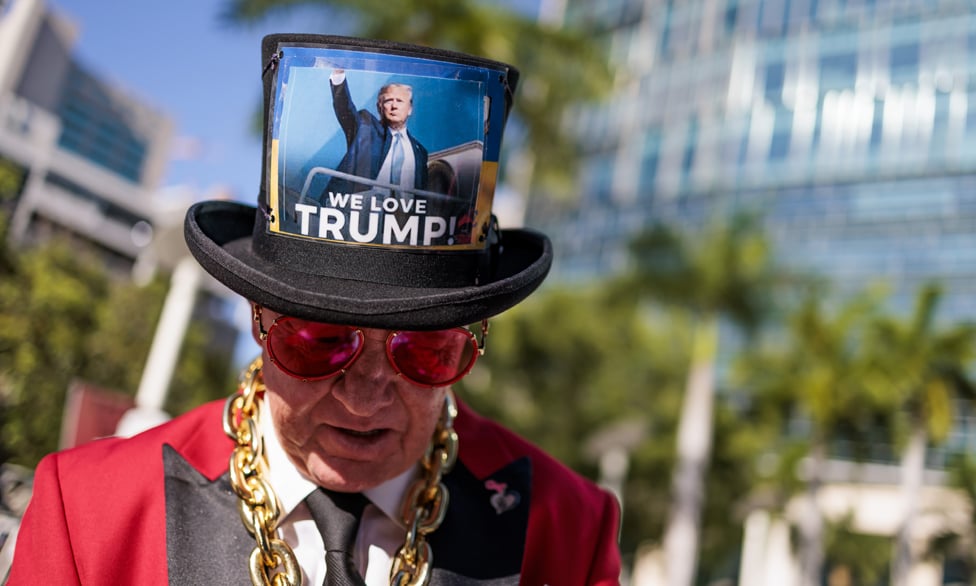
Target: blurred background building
{"type": "Point", "coordinates": [88, 155]}
{"type": "Point", "coordinates": [849, 124]}
{"type": "Point", "coordinates": [82, 159]}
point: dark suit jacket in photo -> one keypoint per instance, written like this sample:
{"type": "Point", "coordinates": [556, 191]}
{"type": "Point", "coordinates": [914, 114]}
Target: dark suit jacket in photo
{"type": "Point", "coordinates": [368, 141]}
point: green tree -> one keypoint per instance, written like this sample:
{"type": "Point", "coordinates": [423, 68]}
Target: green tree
{"type": "Point", "coordinates": [47, 313]}
{"type": "Point", "coordinates": [855, 558]}
{"type": "Point", "coordinates": [724, 273]}
{"type": "Point", "coordinates": [566, 364]}
{"type": "Point", "coordinates": [561, 364]}
{"type": "Point", "coordinates": [813, 372]}
{"type": "Point", "coordinates": [957, 545]}
{"type": "Point", "coordinates": [62, 318]}
{"type": "Point", "coordinates": [559, 67]}
{"type": "Point", "coordinates": [920, 368]}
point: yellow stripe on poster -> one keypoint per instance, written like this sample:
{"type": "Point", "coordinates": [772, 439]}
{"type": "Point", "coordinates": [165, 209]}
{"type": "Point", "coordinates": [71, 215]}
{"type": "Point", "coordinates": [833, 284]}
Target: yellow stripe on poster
{"type": "Point", "coordinates": [486, 195]}
{"type": "Point", "coordinates": [275, 225]}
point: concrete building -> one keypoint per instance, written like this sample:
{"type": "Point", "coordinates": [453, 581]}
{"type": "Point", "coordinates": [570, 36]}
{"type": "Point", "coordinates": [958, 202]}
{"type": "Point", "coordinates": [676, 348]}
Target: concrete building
{"type": "Point", "coordinates": [83, 159]}
{"type": "Point", "coordinates": [80, 156]}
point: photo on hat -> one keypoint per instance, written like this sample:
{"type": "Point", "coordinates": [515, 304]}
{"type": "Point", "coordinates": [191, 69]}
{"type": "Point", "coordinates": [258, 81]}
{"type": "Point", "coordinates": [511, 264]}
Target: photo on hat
{"type": "Point", "coordinates": [383, 149]}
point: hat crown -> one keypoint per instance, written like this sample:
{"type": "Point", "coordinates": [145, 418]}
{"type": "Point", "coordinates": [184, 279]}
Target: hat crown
{"type": "Point", "coordinates": [355, 226]}
{"type": "Point", "coordinates": [338, 174]}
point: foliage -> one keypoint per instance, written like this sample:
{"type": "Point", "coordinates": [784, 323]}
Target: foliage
{"type": "Point", "coordinates": [46, 318]}
{"type": "Point", "coordinates": [811, 372]}
{"type": "Point", "coordinates": [559, 66]}
{"type": "Point", "coordinates": [726, 268]}
{"type": "Point", "coordinates": [12, 177]}
{"type": "Point", "coordinates": [957, 545]}
{"type": "Point", "coordinates": [563, 366]}
{"type": "Point", "coordinates": [815, 369]}
{"type": "Point", "coordinates": [63, 318]}
{"type": "Point", "coordinates": [566, 365]}
{"type": "Point", "coordinates": [919, 366]}
{"type": "Point", "coordinates": [724, 274]}
{"type": "Point", "coordinates": [848, 371]}
{"type": "Point", "coordinates": [861, 558]}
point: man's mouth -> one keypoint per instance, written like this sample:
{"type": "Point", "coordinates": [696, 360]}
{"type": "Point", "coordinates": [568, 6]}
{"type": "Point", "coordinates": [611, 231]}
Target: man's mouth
{"type": "Point", "coordinates": [362, 434]}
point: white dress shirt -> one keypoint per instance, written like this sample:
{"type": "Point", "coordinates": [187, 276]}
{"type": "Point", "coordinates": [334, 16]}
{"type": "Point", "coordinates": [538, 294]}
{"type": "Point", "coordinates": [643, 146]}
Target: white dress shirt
{"type": "Point", "coordinates": [380, 531]}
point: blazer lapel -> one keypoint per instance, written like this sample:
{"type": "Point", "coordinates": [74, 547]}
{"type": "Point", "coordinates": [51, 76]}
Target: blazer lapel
{"type": "Point", "coordinates": [483, 535]}
{"type": "Point", "coordinates": [206, 542]}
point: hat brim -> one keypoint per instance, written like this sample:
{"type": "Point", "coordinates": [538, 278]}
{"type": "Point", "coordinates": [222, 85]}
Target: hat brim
{"type": "Point", "coordinates": [219, 235]}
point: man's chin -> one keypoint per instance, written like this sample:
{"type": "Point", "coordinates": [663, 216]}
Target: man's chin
{"type": "Point", "coordinates": [347, 475]}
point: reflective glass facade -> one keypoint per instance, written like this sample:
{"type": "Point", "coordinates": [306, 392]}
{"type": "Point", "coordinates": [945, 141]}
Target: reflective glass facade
{"type": "Point", "coordinates": [100, 127]}
{"type": "Point", "coordinates": [850, 123]}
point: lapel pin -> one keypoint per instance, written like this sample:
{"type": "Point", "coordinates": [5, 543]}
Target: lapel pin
{"type": "Point", "coordinates": [503, 500]}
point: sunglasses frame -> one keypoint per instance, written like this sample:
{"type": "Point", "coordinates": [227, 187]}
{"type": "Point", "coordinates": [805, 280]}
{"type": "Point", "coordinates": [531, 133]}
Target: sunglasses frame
{"type": "Point", "coordinates": [479, 350]}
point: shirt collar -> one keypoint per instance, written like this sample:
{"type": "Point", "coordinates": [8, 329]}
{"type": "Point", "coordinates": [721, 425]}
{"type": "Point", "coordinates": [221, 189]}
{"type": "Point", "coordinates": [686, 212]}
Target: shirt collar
{"type": "Point", "coordinates": [292, 487]}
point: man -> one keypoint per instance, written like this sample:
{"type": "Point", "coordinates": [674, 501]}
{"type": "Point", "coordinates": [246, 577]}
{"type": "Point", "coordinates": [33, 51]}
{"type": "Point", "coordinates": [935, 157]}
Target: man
{"type": "Point", "coordinates": [344, 458]}
{"type": "Point", "coordinates": [380, 149]}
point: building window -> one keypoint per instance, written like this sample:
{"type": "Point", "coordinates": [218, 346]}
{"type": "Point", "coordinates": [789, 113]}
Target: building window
{"type": "Point", "coordinates": [772, 17]}
{"type": "Point", "coordinates": [691, 145]}
{"type": "Point", "coordinates": [598, 178]}
{"type": "Point", "coordinates": [801, 12]}
{"type": "Point", "coordinates": [731, 15]}
{"type": "Point", "coordinates": [107, 208]}
{"type": "Point", "coordinates": [877, 125]}
{"type": "Point", "coordinates": [904, 63]}
{"type": "Point", "coordinates": [775, 75]}
{"type": "Point", "coordinates": [649, 164]}
{"type": "Point", "coordinates": [98, 127]}
{"type": "Point", "coordinates": [838, 71]}
{"type": "Point", "coordinates": [779, 144]}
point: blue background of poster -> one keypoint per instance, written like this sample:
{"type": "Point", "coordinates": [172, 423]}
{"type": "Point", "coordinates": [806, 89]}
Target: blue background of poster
{"type": "Point", "coordinates": [447, 111]}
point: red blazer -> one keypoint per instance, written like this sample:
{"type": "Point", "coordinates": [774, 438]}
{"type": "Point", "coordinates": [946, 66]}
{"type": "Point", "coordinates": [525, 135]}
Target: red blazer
{"type": "Point", "coordinates": [111, 512]}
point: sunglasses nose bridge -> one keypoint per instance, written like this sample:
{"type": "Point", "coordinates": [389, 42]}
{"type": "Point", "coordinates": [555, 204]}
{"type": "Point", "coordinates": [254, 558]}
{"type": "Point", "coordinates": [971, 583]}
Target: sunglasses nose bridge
{"type": "Point", "coordinates": [371, 357]}
{"type": "Point", "coordinates": [367, 384]}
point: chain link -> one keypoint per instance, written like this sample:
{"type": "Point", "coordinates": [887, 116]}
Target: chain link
{"type": "Point", "coordinates": [426, 502]}
{"type": "Point", "coordinates": [272, 562]}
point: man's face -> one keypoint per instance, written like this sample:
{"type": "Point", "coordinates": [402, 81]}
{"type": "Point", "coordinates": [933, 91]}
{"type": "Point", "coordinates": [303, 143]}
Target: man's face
{"type": "Point", "coordinates": [395, 106]}
{"type": "Point", "coordinates": [353, 431]}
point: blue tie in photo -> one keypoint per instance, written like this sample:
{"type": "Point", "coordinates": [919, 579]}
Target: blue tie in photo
{"type": "Point", "coordinates": [396, 164]}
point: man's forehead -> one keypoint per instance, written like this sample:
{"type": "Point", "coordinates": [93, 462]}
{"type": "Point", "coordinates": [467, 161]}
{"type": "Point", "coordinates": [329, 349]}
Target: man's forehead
{"type": "Point", "coordinates": [370, 333]}
{"type": "Point", "coordinates": [392, 91]}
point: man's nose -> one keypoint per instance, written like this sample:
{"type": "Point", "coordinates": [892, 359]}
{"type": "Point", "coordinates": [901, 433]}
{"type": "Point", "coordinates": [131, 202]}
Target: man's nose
{"type": "Point", "coordinates": [369, 384]}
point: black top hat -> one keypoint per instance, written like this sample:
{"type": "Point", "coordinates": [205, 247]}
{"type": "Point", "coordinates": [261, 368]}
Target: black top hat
{"type": "Point", "coordinates": [380, 161]}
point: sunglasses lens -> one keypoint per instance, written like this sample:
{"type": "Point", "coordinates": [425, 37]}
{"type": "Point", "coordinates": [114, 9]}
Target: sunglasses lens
{"type": "Point", "coordinates": [311, 349]}
{"type": "Point", "coordinates": [433, 358]}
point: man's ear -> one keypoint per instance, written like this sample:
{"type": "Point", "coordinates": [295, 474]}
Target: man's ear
{"type": "Point", "coordinates": [255, 324]}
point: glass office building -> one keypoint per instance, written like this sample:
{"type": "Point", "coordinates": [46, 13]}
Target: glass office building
{"type": "Point", "coordinates": [851, 124]}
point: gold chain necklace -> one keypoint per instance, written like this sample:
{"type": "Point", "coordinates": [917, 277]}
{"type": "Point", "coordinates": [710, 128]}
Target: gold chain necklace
{"type": "Point", "coordinates": [272, 562]}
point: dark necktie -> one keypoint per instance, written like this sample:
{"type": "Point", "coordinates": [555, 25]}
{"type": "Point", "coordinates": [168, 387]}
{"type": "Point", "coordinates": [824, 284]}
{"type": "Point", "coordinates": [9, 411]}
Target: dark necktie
{"type": "Point", "coordinates": [337, 515]}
